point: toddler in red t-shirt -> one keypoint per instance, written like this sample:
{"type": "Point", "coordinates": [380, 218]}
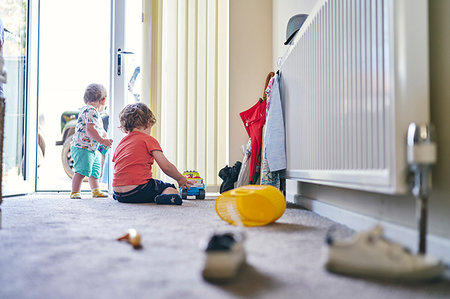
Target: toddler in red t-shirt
{"type": "Point", "coordinates": [133, 160]}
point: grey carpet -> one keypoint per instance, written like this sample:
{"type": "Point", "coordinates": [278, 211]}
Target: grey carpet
{"type": "Point", "coordinates": [54, 247]}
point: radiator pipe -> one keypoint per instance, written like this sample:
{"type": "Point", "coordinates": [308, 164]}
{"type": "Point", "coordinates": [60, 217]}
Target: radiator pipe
{"type": "Point", "coordinates": [421, 189]}
{"type": "Point", "coordinates": [421, 155]}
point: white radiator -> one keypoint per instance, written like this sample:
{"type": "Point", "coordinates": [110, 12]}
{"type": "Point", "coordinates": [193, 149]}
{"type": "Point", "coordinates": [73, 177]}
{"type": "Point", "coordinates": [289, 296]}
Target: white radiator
{"type": "Point", "coordinates": [355, 77]}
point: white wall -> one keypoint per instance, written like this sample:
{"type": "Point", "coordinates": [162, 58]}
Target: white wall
{"type": "Point", "coordinates": [283, 10]}
{"type": "Point", "coordinates": [250, 62]}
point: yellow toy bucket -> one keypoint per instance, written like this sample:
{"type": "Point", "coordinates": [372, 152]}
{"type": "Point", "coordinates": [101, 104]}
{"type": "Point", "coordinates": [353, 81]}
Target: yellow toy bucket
{"type": "Point", "coordinates": [252, 205]}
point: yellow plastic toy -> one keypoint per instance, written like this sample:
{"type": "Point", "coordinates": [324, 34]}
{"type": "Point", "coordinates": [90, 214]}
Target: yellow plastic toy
{"type": "Point", "coordinates": [252, 205]}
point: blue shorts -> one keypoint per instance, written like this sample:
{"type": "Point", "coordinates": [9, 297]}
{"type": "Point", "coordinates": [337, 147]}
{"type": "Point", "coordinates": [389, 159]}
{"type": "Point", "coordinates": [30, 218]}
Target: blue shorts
{"type": "Point", "coordinates": [86, 163]}
{"type": "Point", "coordinates": [144, 193]}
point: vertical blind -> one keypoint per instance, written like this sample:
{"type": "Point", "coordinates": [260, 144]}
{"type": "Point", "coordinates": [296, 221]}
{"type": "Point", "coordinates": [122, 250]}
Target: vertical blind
{"type": "Point", "coordinates": [194, 80]}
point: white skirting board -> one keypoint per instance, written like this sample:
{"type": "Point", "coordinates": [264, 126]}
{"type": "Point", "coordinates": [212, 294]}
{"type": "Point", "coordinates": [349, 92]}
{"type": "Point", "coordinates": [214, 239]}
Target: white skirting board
{"type": "Point", "coordinates": [436, 246]}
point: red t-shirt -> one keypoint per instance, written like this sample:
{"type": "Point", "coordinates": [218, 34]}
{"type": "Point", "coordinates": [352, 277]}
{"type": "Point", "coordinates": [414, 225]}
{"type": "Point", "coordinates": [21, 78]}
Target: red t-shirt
{"type": "Point", "coordinates": [133, 159]}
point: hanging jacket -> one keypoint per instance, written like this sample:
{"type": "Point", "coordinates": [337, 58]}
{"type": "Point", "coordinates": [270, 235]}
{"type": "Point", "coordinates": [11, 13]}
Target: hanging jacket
{"type": "Point", "coordinates": [254, 120]}
{"type": "Point", "coordinates": [274, 139]}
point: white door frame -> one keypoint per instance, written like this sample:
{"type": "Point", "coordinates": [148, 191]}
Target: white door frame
{"type": "Point", "coordinates": [117, 84]}
{"type": "Point", "coordinates": [32, 97]}
{"type": "Point", "coordinates": [31, 94]}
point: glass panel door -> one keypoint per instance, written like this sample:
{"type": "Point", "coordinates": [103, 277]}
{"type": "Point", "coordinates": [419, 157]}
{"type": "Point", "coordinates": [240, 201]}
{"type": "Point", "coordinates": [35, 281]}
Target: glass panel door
{"type": "Point", "coordinates": [14, 19]}
{"type": "Point", "coordinates": [131, 51]}
{"type": "Point", "coordinates": [126, 64]}
{"type": "Point", "coordinates": [74, 51]}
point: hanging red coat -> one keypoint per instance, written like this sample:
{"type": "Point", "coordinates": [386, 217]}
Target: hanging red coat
{"type": "Point", "coordinates": [254, 120]}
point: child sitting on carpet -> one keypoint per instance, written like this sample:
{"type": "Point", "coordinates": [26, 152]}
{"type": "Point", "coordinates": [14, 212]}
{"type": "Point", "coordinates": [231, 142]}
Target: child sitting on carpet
{"type": "Point", "coordinates": [89, 133]}
{"type": "Point", "coordinates": [133, 160]}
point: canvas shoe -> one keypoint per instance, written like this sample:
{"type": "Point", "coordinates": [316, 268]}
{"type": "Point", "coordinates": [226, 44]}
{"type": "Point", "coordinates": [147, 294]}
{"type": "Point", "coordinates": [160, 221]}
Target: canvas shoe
{"type": "Point", "coordinates": [225, 254]}
{"type": "Point", "coordinates": [97, 193]}
{"type": "Point", "coordinates": [369, 254]}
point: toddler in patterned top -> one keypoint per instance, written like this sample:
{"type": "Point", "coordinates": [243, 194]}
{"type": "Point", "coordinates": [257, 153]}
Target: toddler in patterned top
{"type": "Point", "coordinates": [89, 133]}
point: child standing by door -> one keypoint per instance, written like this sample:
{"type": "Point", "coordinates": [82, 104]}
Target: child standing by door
{"type": "Point", "coordinates": [133, 160]}
{"type": "Point", "coordinates": [89, 133]}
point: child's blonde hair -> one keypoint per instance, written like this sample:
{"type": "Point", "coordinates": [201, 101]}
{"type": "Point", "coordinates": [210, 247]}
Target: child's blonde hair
{"type": "Point", "coordinates": [94, 93]}
{"type": "Point", "coordinates": [134, 116]}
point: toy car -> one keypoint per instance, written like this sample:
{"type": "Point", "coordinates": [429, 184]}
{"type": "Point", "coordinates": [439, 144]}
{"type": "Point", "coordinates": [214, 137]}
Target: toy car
{"type": "Point", "coordinates": [197, 188]}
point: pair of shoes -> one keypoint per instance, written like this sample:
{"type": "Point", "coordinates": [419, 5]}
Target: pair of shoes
{"type": "Point", "coordinates": [369, 254]}
{"type": "Point", "coordinates": [97, 193]}
{"type": "Point", "coordinates": [229, 175]}
{"type": "Point", "coordinates": [168, 199]}
{"type": "Point", "coordinates": [75, 195]}
{"type": "Point", "coordinates": [225, 255]}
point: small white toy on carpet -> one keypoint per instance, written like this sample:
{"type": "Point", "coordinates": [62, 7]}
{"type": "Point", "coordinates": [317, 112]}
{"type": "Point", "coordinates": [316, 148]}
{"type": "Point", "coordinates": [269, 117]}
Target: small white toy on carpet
{"type": "Point", "coordinates": [133, 237]}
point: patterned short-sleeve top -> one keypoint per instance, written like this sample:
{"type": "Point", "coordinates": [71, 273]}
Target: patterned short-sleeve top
{"type": "Point", "coordinates": [88, 114]}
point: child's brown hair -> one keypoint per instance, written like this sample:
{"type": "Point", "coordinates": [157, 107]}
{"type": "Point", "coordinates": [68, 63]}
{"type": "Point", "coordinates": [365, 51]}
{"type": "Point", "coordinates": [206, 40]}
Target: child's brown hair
{"type": "Point", "coordinates": [134, 116]}
{"type": "Point", "coordinates": [94, 93]}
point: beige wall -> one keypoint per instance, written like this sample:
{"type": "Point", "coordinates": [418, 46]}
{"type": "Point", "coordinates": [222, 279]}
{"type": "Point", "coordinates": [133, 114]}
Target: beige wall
{"type": "Point", "coordinates": [250, 62]}
{"type": "Point", "coordinates": [257, 34]}
{"type": "Point", "coordinates": [440, 110]}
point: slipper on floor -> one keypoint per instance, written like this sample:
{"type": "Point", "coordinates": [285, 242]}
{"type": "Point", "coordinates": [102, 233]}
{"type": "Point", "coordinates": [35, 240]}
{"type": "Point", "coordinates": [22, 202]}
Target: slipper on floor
{"type": "Point", "coordinates": [168, 199]}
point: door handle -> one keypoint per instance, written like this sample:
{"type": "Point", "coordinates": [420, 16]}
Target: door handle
{"type": "Point", "coordinates": [119, 60]}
